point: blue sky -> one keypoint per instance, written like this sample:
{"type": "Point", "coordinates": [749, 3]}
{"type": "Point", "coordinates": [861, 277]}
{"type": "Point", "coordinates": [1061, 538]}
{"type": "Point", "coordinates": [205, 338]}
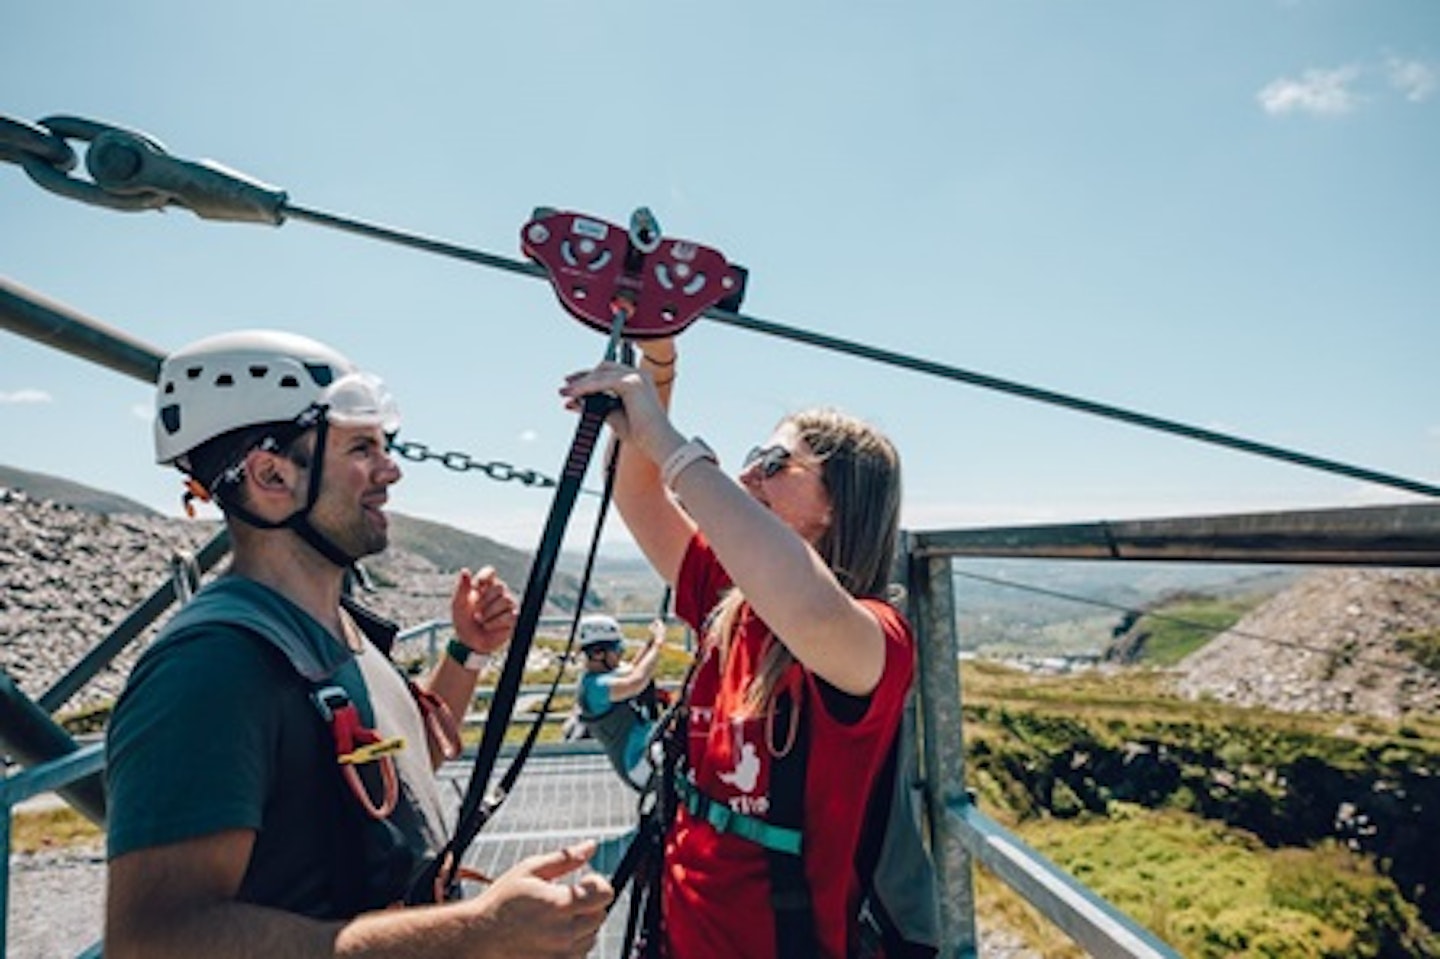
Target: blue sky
{"type": "Point", "coordinates": [1224, 213]}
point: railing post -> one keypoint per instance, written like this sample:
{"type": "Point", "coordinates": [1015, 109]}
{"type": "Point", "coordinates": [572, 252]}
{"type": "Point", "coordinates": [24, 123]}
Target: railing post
{"type": "Point", "coordinates": [931, 595]}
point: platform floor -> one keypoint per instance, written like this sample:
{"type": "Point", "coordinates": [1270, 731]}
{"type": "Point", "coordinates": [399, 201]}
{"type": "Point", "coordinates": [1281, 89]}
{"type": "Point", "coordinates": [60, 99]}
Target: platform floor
{"type": "Point", "coordinates": [558, 800]}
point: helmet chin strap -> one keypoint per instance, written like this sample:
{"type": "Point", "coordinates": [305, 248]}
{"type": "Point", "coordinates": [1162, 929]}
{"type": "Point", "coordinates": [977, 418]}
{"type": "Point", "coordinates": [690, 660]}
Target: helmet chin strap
{"type": "Point", "coordinates": [299, 521]}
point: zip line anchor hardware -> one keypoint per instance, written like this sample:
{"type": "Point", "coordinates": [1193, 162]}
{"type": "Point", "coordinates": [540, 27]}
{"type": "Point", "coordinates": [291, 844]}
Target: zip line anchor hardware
{"type": "Point", "coordinates": [131, 171]}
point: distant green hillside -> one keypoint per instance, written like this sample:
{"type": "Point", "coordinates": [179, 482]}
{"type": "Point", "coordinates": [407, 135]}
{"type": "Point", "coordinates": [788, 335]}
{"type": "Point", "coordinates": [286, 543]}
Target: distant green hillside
{"type": "Point", "coordinates": [45, 486]}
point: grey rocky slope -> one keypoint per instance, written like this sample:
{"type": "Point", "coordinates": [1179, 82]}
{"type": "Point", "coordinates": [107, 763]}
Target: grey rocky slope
{"type": "Point", "coordinates": [1338, 641]}
{"type": "Point", "coordinates": [69, 574]}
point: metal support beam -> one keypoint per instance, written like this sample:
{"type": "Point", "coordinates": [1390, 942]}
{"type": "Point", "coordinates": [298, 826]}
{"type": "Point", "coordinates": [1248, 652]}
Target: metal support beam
{"type": "Point", "coordinates": [17, 788]}
{"type": "Point", "coordinates": [32, 737]}
{"type": "Point", "coordinates": [931, 596]}
{"type": "Point", "coordinates": [1406, 535]}
{"type": "Point", "coordinates": [52, 324]}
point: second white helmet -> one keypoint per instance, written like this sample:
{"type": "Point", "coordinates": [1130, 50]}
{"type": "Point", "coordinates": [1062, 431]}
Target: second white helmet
{"type": "Point", "coordinates": [600, 630]}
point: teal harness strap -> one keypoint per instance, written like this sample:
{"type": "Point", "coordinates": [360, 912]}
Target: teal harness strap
{"type": "Point", "coordinates": [724, 819]}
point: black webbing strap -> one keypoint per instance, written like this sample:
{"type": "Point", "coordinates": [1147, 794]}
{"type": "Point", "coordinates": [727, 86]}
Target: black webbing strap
{"type": "Point", "coordinates": [789, 890]}
{"type": "Point", "coordinates": [517, 762]}
{"type": "Point", "coordinates": [476, 808]}
{"type": "Point", "coordinates": [876, 933]}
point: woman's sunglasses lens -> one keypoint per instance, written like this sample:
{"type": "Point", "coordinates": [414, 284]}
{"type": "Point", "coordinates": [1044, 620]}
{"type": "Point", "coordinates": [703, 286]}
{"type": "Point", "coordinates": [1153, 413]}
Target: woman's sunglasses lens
{"type": "Point", "coordinates": [771, 459]}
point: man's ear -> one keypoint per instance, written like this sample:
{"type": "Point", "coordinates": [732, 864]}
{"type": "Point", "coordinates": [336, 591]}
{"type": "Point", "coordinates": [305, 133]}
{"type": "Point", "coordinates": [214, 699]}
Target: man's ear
{"type": "Point", "coordinates": [270, 475]}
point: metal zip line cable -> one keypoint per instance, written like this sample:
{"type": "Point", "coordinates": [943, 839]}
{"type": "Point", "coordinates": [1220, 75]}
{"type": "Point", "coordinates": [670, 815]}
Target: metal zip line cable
{"type": "Point", "coordinates": [901, 360]}
{"type": "Point", "coordinates": [134, 172]}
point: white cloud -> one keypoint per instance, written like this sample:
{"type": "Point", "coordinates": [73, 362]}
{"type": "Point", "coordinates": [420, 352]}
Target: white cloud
{"type": "Point", "coordinates": [142, 411]}
{"type": "Point", "coordinates": [25, 396]}
{"type": "Point", "coordinates": [1416, 80]}
{"type": "Point", "coordinates": [1321, 92]}
{"type": "Point", "coordinates": [529, 436]}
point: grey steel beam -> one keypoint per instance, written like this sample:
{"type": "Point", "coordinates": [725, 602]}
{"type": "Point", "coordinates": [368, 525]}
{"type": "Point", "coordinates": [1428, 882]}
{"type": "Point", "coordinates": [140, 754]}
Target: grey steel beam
{"type": "Point", "coordinates": [1407, 535]}
{"type": "Point", "coordinates": [60, 327]}
{"type": "Point", "coordinates": [931, 597]}
{"type": "Point", "coordinates": [29, 735]}
{"type": "Point", "coordinates": [82, 763]}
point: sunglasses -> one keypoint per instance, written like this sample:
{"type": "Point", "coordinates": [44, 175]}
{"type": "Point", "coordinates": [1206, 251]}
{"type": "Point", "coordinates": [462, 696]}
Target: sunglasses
{"type": "Point", "coordinates": [769, 459]}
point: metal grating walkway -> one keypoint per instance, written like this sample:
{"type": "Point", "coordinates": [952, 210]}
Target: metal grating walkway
{"type": "Point", "coordinates": [558, 800]}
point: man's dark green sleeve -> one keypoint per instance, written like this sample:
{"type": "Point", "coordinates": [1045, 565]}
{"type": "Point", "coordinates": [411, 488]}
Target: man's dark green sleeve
{"type": "Point", "coordinates": [189, 747]}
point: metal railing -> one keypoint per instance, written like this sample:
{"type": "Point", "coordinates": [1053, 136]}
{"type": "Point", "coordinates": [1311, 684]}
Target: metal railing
{"type": "Point", "coordinates": [46, 777]}
{"type": "Point", "coordinates": [961, 834]}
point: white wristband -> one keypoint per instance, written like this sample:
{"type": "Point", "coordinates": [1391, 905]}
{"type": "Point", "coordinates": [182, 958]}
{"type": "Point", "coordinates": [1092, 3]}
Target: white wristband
{"type": "Point", "coordinates": [684, 457]}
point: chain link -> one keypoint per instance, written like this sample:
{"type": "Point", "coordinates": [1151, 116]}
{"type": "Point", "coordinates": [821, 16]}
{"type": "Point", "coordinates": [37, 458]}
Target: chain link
{"type": "Point", "coordinates": [44, 152]}
{"type": "Point", "coordinates": [20, 141]}
{"type": "Point", "coordinates": [462, 462]}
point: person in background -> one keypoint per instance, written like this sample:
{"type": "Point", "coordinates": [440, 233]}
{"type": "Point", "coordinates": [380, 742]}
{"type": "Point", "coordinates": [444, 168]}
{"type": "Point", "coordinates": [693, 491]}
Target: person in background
{"type": "Point", "coordinates": [609, 697]}
{"type": "Point", "coordinates": [783, 573]}
{"type": "Point", "coordinates": [270, 772]}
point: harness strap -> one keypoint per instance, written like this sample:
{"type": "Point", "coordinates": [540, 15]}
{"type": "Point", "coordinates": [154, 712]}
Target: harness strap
{"type": "Point", "coordinates": [643, 863]}
{"type": "Point", "coordinates": [777, 839]}
{"type": "Point", "coordinates": [439, 720]}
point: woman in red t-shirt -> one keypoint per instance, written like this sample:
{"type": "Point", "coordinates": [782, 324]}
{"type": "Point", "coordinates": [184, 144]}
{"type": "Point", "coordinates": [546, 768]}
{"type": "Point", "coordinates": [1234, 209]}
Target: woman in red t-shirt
{"type": "Point", "coordinates": [783, 574]}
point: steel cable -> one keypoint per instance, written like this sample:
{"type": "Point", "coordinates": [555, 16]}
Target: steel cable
{"type": "Point", "coordinates": [133, 171]}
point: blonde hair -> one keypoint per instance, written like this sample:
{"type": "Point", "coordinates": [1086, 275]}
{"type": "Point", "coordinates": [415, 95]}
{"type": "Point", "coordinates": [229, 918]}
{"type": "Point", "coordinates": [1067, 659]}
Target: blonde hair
{"type": "Point", "coordinates": [861, 473]}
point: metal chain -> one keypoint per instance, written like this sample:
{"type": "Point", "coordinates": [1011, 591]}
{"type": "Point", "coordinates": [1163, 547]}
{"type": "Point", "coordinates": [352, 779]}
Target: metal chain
{"type": "Point", "coordinates": [462, 462]}
{"type": "Point", "coordinates": [20, 140]}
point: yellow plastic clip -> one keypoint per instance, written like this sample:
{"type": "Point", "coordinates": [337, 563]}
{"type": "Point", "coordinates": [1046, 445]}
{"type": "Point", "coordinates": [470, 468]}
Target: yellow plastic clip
{"type": "Point", "coordinates": [370, 752]}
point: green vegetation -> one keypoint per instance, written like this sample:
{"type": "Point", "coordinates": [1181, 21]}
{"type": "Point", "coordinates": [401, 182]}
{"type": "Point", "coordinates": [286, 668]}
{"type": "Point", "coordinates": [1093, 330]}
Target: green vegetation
{"type": "Point", "coordinates": [1211, 891]}
{"type": "Point", "coordinates": [1177, 628]}
{"type": "Point", "coordinates": [1423, 646]}
{"type": "Point", "coordinates": [50, 829]}
{"type": "Point", "coordinates": [1207, 823]}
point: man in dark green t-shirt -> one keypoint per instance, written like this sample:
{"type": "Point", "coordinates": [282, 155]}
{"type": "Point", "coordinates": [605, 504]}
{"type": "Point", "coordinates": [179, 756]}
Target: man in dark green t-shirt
{"type": "Point", "coordinates": [234, 828]}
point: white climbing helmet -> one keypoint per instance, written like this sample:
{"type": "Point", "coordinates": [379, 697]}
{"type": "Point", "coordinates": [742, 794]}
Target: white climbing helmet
{"type": "Point", "coordinates": [248, 377]}
{"type": "Point", "coordinates": [600, 630]}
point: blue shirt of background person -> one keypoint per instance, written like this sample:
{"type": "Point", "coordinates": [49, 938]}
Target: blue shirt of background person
{"type": "Point", "coordinates": [606, 688]}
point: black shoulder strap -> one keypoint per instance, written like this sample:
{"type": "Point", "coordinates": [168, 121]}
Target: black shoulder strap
{"type": "Point", "coordinates": [877, 814]}
{"type": "Point", "coordinates": [789, 890]}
